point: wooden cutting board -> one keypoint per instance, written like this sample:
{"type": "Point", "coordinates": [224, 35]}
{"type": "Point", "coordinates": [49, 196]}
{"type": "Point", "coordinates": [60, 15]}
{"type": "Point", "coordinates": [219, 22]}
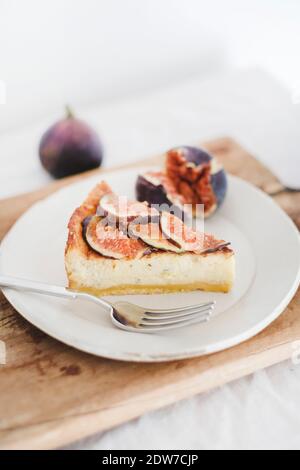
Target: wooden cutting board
{"type": "Point", "coordinates": [51, 394]}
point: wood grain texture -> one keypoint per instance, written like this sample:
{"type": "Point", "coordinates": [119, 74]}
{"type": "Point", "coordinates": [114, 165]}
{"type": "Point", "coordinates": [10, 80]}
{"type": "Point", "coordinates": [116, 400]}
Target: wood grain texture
{"type": "Point", "coordinates": [51, 394]}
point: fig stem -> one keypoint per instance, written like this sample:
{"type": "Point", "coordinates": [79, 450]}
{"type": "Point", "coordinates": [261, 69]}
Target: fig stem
{"type": "Point", "coordinates": [69, 112]}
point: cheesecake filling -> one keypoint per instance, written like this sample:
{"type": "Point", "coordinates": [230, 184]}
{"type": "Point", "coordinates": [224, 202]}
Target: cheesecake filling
{"type": "Point", "coordinates": [158, 272]}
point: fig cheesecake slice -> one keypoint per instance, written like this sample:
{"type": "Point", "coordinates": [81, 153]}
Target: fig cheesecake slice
{"type": "Point", "coordinates": [145, 252]}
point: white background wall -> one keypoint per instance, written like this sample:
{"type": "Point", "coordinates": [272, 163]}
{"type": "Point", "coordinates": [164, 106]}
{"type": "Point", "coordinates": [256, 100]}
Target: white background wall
{"type": "Point", "coordinates": [88, 51]}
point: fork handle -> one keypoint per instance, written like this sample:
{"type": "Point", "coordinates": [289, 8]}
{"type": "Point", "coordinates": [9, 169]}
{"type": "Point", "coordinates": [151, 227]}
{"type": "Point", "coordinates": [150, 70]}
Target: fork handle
{"type": "Point", "coordinates": [38, 287]}
{"type": "Point", "coordinates": [48, 289]}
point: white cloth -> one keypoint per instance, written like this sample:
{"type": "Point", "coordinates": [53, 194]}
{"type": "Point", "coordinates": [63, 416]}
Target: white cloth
{"type": "Point", "coordinates": [260, 411]}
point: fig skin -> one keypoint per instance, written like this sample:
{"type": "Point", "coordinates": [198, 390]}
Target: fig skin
{"type": "Point", "coordinates": [123, 209]}
{"type": "Point", "coordinates": [147, 191]}
{"type": "Point", "coordinates": [218, 180]}
{"type": "Point", "coordinates": [157, 194]}
{"type": "Point", "coordinates": [85, 224]}
{"type": "Point", "coordinates": [219, 183]}
{"type": "Point", "coordinates": [69, 147]}
{"type": "Point", "coordinates": [194, 155]}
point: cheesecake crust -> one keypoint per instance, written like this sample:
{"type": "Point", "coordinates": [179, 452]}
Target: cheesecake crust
{"type": "Point", "coordinates": [152, 289]}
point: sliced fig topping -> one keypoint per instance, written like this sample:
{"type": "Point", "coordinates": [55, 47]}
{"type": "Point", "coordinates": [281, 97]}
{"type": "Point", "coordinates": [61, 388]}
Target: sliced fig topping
{"type": "Point", "coordinates": [85, 224]}
{"type": "Point", "coordinates": [151, 234]}
{"type": "Point", "coordinates": [111, 242]}
{"type": "Point", "coordinates": [181, 234]}
{"type": "Point", "coordinates": [122, 208]}
{"type": "Point", "coordinates": [211, 244]}
{"type": "Point", "coordinates": [187, 238]}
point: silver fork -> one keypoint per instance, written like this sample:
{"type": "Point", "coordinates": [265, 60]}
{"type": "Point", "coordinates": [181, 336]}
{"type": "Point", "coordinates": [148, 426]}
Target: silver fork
{"type": "Point", "coordinates": [124, 315]}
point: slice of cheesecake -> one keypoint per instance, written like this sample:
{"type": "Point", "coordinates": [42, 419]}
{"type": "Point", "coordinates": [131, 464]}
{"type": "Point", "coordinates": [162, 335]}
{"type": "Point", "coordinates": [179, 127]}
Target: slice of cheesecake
{"type": "Point", "coordinates": [116, 246]}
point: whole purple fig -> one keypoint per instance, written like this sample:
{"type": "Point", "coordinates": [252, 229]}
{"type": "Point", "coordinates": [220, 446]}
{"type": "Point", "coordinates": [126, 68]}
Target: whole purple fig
{"type": "Point", "coordinates": [69, 147]}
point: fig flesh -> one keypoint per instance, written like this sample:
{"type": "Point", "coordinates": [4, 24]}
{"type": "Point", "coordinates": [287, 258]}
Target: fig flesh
{"type": "Point", "coordinates": [191, 178]}
{"type": "Point", "coordinates": [121, 208]}
{"type": "Point", "coordinates": [69, 147]}
{"type": "Point", "coordinates": [181, 234]}
{"type": "Point", "coordinates": [111, 242]}
{"type": "Point", "coordinates": [187, 238]}
{"type": "Point", "coordinates": [152, 235]}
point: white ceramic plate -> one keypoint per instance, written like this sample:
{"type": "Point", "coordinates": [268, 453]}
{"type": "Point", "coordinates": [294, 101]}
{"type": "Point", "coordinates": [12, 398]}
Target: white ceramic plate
{"type": "Point", "coordinates": [267, 247]}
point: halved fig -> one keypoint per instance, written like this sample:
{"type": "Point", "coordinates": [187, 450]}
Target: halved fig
{"type": "Point", "coordinates": [158, 190]}
{"type": "Point", "coordinates": [152, 235]}
{"type": "Point", "coordinates": [187, 238]}
{"type": "Point", "coordinates": [111, 242]}
{"type": "Point", "coordinates": [120, 207]}
{"type": "Point", "coordinates": [191, 177]}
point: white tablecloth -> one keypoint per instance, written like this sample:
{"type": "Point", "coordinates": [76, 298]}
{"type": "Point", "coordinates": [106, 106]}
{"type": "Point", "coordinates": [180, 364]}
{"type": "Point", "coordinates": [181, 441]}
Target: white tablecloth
{"type": "Point", "coordinates": [260, 411]}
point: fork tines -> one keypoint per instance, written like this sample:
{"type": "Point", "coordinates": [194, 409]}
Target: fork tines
{"type": "Point", "coordinates": [173, 318]}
